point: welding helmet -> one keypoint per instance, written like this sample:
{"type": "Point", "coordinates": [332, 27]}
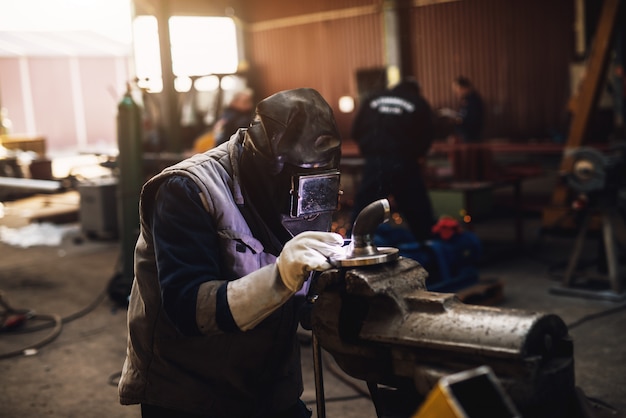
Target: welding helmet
{"type": "Point", "coordinates": [290, 160]}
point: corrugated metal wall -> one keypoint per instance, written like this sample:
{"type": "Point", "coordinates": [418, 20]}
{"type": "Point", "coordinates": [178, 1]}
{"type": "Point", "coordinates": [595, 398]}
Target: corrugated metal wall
{"type": "Point", "coordinates": [517, 52]}
{"type": "Point", "coordinates": [322, 52]}
{"type": "Point", "coordinates": [259, 11]}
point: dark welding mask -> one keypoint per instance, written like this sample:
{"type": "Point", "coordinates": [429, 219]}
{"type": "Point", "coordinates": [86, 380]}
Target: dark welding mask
{"type": "Point", "coordinates": [293, 147]}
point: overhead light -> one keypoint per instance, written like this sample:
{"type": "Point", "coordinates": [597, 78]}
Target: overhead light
{"type": "Point", "coordinates": [346, 104]}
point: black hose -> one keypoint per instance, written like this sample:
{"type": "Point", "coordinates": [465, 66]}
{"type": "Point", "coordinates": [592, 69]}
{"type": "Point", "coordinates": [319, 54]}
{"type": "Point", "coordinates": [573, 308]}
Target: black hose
{"type": "Point", "coordinates": [58, 325]}
{"type": "Point", "coordinates": [52, 320]}
{"type": "Point", "coordinates": [596, 315]}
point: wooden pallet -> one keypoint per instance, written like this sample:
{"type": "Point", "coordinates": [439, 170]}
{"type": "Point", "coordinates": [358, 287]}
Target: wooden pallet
{"type": "Point", "coordinates": [488, 292]}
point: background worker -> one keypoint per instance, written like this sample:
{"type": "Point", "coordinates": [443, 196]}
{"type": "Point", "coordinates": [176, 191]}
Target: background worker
{"type": "Point", "coordinates": [237, 114]}
{"type": "Point", "coordinates": [469, 119]}
{"type": "Point", "coordinates": [394, 131]}
{"type": "Point", "coordinates": [222, 251]}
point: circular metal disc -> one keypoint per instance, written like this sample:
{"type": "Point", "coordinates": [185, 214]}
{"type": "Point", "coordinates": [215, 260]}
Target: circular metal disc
{"type": "Point", "coordinates": [384, 255]}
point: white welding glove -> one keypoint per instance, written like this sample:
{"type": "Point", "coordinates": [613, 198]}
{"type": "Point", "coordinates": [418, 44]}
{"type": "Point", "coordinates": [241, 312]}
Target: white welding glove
{"type": "Point", "coordinates": [255, 296]}
{"type": "Point", "coordinates": [306, 252]}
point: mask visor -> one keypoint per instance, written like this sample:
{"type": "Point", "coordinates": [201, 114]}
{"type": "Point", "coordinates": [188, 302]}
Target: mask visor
{"type": "Point", "coordinates": [314, 193]}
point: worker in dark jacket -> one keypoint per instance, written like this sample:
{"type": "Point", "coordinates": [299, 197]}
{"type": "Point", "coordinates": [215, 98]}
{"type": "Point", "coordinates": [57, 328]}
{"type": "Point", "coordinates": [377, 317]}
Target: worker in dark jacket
{"type": "Point", "coordinates": [237, 114]}
{"type": "Point", "coordinates": [394, 131]}
{"type": "Point", "coordinates": [225, 244]}
{"type": "Point", "coordinates": [470, 117]}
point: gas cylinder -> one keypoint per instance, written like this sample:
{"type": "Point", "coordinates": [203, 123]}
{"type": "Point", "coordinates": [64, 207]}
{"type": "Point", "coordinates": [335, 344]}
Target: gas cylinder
{"type": "Point", "coordinates": [130, 181]}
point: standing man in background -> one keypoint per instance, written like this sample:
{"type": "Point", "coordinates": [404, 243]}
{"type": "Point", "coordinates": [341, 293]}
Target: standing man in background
{"type": "Point", "coordinates": [469, 119]}
{"type": "Point", "coordinates": [394, 131]}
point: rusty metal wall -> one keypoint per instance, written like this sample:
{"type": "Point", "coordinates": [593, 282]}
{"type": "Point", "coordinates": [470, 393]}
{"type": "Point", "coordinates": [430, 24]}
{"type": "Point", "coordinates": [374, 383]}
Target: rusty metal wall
{"type": "Point", "coordinates": [322, 52]}
{"type": "Point", "coordinates": [258, 11]}
{"type": "Point", "coordinates": [517, 52]}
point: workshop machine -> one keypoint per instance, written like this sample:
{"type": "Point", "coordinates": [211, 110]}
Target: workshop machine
{"type": "Point", "coordinates": [373, 314]}
{"type": "Point", "coordinates": [598, 181]}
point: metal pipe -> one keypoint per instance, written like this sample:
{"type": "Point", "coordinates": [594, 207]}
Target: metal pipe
{"type": "Point", "coordinates": [31, 184]}
{"type": "Point", "coordinates": [362, 251]}
{"type": "Point", "coordinates": [320, 400]}
{"type": "Point", "coordinates": [365, 226]}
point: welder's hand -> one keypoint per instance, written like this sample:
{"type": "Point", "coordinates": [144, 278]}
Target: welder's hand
{"type": "Point", "coordinates": [253, 297]}
{"type": "Point", "coordinates": [306, 252]}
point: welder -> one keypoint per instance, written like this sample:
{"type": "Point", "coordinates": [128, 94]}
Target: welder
{"type": "Point", "coordinates": [228, 239]}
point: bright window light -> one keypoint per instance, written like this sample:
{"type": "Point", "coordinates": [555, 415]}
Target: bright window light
{"type": "Point", "coordinates": [182, 84]}
{"type": "Point", "coordinates": [200, 46]}
{"type": "Point", "coordinates": [110, 18]}
{"type": "Point", "coordinates": [231, 83]}
{"type": "Point", "coordinates": [147, 54]}
{"type": "Point", "coordinates": [203, 45]}
{"type": "Point", "coordinates": [208, 83]}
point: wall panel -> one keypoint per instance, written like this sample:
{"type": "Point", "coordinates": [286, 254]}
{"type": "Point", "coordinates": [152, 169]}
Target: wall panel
{"type": "Point", "coordinates": [258, 11]}
{"type": "Point", "coordinates": [52, 100]}
{"type": "Point", "coordinates": [12, 93]}
{"type": "Point", "coordinates": [516, 52]}
{"type": "Point", "coordinates": [323, 55]}
{"type": "Point", "coordinates": [102, 89]}
{"type": "Point", "coordinates": [71, 101]}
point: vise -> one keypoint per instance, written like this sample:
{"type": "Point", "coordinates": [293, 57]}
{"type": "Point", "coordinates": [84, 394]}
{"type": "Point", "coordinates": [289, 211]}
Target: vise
{"type": "Point", "coordinates": [374, 315]}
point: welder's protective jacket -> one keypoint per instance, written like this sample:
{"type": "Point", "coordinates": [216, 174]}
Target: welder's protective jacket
{"type": "Point", "coordinates": [216, 373]}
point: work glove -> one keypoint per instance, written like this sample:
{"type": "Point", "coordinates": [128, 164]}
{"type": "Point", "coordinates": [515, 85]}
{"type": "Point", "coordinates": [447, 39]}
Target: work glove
{"type": "Point", "coordinates": [255, 296]}
{"type": "Point", "coordinates": [306, 252]}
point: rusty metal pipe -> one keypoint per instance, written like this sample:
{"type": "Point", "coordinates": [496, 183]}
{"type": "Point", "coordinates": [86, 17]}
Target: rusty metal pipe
{"type": "Point", "coordinates": [362, 251]}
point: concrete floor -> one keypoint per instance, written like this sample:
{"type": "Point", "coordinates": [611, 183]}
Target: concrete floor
{"type": "Point", "coordinates": [75, 375]}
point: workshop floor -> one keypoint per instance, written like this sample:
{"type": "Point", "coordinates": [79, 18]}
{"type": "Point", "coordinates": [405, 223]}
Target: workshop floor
{"type": "Point", "coordinates": [75, 374]}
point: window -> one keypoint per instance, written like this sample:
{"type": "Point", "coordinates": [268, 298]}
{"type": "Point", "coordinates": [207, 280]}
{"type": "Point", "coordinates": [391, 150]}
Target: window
{"type": "Point", "coordinates": [200, 46]}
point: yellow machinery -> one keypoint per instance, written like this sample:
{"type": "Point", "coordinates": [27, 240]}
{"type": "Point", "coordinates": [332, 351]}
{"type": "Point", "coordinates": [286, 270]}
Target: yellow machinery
{"type": "Point", "coordinates": [474, 393]}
